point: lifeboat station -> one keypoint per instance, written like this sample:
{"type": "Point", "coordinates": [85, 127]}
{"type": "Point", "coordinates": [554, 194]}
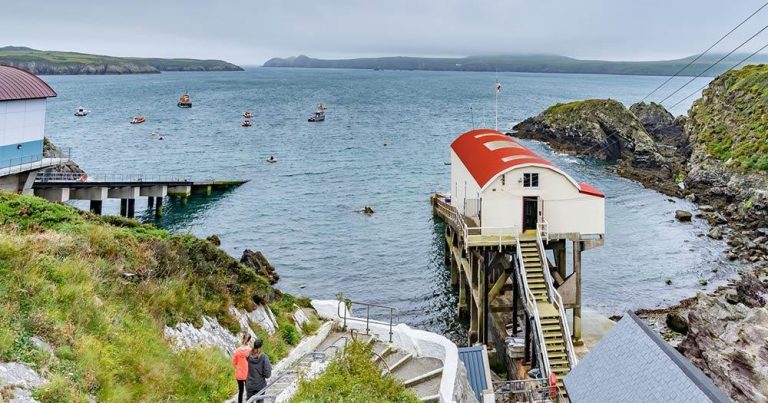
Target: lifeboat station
{"type": "Point", "coordinates": [516, 227]}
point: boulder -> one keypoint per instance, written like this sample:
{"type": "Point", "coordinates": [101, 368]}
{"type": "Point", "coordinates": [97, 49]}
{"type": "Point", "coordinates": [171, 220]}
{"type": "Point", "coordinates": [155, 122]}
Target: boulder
{"type": "Point", "coordinates": [677, 322]}
{"type": "Point", "coordinates": [683, 216]}
{"type": "Point", "coordinates": [715, 233]}
{"type": "Point", "coordinates": [658, 122]}
{"type": "Point", "coordinates": [258, 262]}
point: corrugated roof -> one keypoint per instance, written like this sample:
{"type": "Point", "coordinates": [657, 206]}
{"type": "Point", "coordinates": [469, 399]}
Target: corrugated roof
{"type": "Point", "coordinates": [472, 357]}
{"type": "Point", "coordinates": [17, 84]}
{"type": "Point", "coordinates": [634, 364]}
{"type": "Point", "coordinates": [487, 153]}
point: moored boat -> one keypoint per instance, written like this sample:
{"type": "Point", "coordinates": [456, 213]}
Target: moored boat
{"type": "Point", "coordinates": [247, 115]}
{"type": "Point", "coordinates": [319, 115]}
{"type": "Point", "coordinates": [246, 123]}
{"type": "Point", "coordinates": [184, 101]}
{"type": "Point", "coordinates": [82, 112]}
{"type": "Point", "coordinates": [138, 119]}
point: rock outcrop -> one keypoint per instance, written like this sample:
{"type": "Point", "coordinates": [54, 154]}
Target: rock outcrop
{"type": "Point", "coordinates": [69, 167]}
{"type": "Point", "coordinates": [599, 128]}
{"type": "Point", "coordinates": [658, 122]}
{"type": "Point", "coordinates": [260, 264]}
{"type": "Point", "coordinates": [728, 343]}
{"type": "Point", "coordinates": [17, 382]}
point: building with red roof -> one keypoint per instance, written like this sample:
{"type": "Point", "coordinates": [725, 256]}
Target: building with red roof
{"type": "Point", "coordinates": [507, 188]}
{"type": "Point", "coordinates": [23, 100]}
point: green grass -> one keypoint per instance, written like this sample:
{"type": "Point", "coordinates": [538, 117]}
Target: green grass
{"type": "Point", "coordinates": [353, 377]}
{"type": "Point", "coordinates": [100, 290]}
{"type": "Point", "coordinates": [733, 124]}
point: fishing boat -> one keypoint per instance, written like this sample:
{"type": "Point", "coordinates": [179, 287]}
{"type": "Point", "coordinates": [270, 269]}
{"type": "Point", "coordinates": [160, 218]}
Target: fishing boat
{"type": "Point", "coordinates": [247, 115]}
{"type": "Point", "coordinates": [272, 159]}
{"type": "Point", "coordinates": [137, 120]}
{"type": "Point", "coordinates": [184, 101]}
{"type": "Point", "coordinates": [319, 115]}
{"type": "Point", "coordinates": [82, 112]}
{"type": "Point", "coordinates": [246, 123]}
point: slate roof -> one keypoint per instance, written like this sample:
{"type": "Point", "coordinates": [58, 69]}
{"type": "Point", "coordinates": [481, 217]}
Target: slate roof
{"type": "Point", "coordinates": [632, 363]}
{"type": "Point", "coordinates": [472, 357]}
{"type": "Point", "coordinates": [17, 84]}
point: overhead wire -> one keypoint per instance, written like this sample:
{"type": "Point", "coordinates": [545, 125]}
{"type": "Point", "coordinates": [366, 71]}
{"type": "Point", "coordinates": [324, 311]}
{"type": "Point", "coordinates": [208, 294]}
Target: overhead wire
{"type": "Point", "coordinates": [704, 52]}
{"type": "Point", "coordinates": [715, 63]}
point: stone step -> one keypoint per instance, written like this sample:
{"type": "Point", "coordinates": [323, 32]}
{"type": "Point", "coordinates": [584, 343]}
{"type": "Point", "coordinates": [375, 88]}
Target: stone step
{"type": "Point", "coordinates": [435, 373]}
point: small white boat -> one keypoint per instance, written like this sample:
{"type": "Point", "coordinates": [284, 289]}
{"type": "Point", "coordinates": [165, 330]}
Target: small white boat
{"type": "Point", "coordinates": [82, 112]}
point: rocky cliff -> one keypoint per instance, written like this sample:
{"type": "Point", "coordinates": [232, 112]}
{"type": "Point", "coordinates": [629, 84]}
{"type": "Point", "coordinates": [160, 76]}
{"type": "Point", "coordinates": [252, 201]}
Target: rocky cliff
{"type": "Point", "coordinates": [658, 122]}
{"type": "Point", "coordinates": [52, 68]}
{"type": "Point", "coordinates": [604, 129]}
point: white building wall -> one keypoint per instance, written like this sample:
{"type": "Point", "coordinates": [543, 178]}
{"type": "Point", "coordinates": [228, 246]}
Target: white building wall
{"type": "Point", "coordinates": [562, 205]}
{"type": "Point", "coordinates": [22, 121]}
{"type": "Point", "coordinates": [463, 185]}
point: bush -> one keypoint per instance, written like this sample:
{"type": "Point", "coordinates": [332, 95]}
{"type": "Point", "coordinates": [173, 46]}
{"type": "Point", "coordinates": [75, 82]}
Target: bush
{"type": "Point", "coordinates": [353, 377]}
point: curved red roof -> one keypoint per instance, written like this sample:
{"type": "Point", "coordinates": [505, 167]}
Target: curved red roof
{"type": "Point", "coordinates": [487, 153]}
{"type": "Point", "coordinates": [17, 84]}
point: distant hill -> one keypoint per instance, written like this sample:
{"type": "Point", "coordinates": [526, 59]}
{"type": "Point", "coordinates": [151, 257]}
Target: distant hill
{"type": "Point", "coordinates": [52, 62]}
{"type": "Point", "coordinates": [520, 63]}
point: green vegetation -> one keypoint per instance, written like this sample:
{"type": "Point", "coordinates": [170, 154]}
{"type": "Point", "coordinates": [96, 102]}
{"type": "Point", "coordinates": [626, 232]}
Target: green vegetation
{"type": "Point", "coordinates": [100, 290]}
{"type": "Point", "coordinates": [352, 377]}
{"type": "Point", "coordinates": [520, 63]}
{"type": "Point", "coordinates": [53, 62]}
{"type": "Point", "coordinates": [731, 120]}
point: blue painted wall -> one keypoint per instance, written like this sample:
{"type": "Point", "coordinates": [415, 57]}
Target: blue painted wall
{"type": "Point", "coordinates": [29, 151]}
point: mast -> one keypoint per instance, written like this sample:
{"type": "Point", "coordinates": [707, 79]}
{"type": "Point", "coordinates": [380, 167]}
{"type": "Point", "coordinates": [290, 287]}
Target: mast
{"type": "Point", "coordinates": [498, 90]}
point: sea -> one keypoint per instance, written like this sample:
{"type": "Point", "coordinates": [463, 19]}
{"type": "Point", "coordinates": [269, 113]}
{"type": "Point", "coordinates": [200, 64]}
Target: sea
{"type": "Point", "coordinates": [384, 144]}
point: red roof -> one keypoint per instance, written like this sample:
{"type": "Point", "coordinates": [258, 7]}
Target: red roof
{"type": "Point", "coordinates": [487, 153]}
{"type": "Point", "coordinates": [16, 84]}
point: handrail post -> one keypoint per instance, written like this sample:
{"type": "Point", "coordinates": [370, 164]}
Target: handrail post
{"type": "Point", "coordinates": [367, 320]}
{"type": "Point", "coordinates": [391, 314]}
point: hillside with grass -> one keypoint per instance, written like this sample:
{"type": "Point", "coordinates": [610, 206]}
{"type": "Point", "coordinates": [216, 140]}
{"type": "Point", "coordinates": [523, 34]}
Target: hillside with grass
{"type": "Point", "coordinates": [100, 290]}
{"type": "Point", "coordinates": [730, 121]}
{"type": "Point", "coordinates": [45, 62]}
{"type": "Point", "coordinates": [534, 63]}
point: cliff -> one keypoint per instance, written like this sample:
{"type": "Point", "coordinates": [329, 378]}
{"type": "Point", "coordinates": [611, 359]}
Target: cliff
{"type": "Point", "coordinates": [54, 63]}
{"type": "Point", "coordinates": [728, 132]}
{"type": "Point", "coordinates": [108, 309]}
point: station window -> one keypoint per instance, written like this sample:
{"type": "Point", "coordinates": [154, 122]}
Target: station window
{"type": "Point", "coordinates": [530, 180]}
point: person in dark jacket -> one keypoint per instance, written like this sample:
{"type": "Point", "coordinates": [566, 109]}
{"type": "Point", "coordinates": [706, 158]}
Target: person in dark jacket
{"type": "Point", "coordinates": [259, 370]}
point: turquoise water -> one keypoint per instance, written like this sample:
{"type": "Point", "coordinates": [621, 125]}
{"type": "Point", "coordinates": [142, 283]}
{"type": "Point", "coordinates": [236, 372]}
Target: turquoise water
{"type": "Point", "coordinates": [302, 211]}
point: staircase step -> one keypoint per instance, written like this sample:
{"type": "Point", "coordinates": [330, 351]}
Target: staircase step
{"type": "Point", "coordinates": [400, 362]}
{"type": "Point", "coordinates": [423, 377]}
{"type": "Point", "coordinates": [552, 328]}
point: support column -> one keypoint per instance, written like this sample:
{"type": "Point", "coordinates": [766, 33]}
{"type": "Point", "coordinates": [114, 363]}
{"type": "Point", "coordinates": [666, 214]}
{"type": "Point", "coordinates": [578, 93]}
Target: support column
{"type": "Point", "coordinates": [150, 202]}
{"type": "Point", "coordinates": [131, 208]}
{"type": "Point", "coordinates": [462, 294]}
{"type": "Point", "coordinates": [515, 307]}
{"type": "Point", "coordinates": [123, 207]}
{"type": "Point", "coordinates": [527, 339]}
{"type": "Point", "coordinates": [158, 207]}
{"type": "Point", "coordinates": [561, 259]}
{"type": "Point", "coordinates": [454, 273]}
{"type": "Point", "coordinates": [96, 206]}
{"type": "Point", "coordinates": [577, 248]}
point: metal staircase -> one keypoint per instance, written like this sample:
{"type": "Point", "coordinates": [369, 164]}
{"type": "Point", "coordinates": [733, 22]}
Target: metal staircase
{"type": "Point", "coordinates": [552, 335]}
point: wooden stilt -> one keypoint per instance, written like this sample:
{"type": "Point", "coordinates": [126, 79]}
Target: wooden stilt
{"type": "Point", "coordinates": [577, 247]}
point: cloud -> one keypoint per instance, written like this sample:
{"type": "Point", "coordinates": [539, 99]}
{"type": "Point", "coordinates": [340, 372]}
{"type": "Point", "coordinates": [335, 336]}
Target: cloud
{"type": "Point", "coordinates": [250, 32]}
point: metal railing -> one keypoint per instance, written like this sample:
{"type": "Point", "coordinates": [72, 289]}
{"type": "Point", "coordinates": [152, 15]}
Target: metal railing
{"type": "Point", "coordinates": [557, 301]}
{"type": "Point", "coordinates": [34, 161]}
{"type": "Point", "coordinates": [527, 390]}
{"type": "Point", "coordinates": [530, 302]}
{"type": "Point", "coordinates": [80, 177]}
{"type": "Point", "coordinates": [393, 313]}
{"type": "Point", "coordinates": [543, 228]}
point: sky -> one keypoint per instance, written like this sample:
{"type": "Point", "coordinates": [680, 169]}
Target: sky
{"type": "Point", "coordinates": [251, 32]}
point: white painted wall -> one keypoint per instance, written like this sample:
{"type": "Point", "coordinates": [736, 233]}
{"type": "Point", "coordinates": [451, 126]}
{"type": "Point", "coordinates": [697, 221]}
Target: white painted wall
{"type": "Point", "coordinates": [562, 205]}
{"type": "Point", "coordinates": [22, 121]}
{"type": "Point", "coordinates": [462, 183]}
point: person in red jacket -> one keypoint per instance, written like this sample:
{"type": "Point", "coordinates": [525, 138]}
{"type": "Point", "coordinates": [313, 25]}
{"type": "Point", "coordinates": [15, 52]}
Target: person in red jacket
{"type": "Point", "coordinates": [240, 361]}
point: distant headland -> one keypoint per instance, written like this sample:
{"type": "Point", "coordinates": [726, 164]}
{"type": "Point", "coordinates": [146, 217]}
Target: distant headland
{"type": "Point", "coordinates": [45, 62]}
{"type": "Point", "coordinates": [522, 63]}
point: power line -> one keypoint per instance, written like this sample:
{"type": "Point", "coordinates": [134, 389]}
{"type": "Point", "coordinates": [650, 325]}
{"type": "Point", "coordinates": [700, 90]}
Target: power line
{"type": "Point", "coordinates": [734, 66]}
{"type": "Point", "coordinates": [715, 63]}
{"type": "Point", "coordinates": [703, 53]}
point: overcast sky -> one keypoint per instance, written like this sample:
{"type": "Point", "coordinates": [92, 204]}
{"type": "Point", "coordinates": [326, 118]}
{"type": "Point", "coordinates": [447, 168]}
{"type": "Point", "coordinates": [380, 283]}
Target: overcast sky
{"type": "Point", "coordinates": [251, 32]}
